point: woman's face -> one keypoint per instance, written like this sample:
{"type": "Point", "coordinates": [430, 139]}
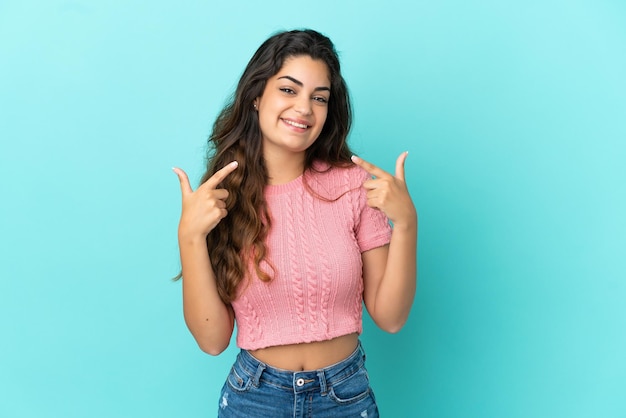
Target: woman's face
{"type": "Point", "coordinates": [294, 105]}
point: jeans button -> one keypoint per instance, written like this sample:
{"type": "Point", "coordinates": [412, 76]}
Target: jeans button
{"type": "Point", "coordinates": [300, 382]}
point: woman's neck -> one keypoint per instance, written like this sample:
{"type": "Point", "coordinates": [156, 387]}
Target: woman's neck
{"type": "Point", "coordinates": [284, 168]}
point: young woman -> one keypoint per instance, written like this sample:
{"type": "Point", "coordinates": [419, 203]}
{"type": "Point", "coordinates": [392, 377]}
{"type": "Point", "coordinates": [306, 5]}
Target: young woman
{"type": "Point", "coordinates": [289, 234]}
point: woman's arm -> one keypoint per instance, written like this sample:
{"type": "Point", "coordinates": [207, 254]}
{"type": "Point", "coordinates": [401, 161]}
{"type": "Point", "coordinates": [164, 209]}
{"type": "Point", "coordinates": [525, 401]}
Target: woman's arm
{"type": "Point", "coordinates": [390, 272]}
{"type": "Point", "coordinates": [209, 319]}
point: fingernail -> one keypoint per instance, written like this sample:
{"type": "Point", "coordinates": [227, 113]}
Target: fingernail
{"type": "Point", "coordinates": [355, 158]}
{"type": "Point", "coordinates": [234, 163]}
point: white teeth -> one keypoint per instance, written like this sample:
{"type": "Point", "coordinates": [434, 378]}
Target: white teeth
{"type": "Point", "coordinates": [296, 124]}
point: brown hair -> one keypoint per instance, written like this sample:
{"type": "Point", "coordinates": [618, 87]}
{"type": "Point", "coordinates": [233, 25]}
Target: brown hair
{"type": "Point", "coordinates": [239, 238]}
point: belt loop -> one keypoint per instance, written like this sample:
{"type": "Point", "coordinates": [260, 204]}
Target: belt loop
{"type": "Point", "coordinates": [257, 375]}
{"type": "Point", "coordinates": [322, 378]}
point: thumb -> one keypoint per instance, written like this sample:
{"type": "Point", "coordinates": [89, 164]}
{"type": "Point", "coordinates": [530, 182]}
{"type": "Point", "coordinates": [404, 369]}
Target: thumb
{"type": "Point", "coordinates": [400, 165]}
{"type": "Point", "coordinates": [185, 187]}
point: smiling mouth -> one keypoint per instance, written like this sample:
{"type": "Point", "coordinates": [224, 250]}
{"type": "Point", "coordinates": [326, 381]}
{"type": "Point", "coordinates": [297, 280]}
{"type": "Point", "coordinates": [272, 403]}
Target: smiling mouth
{"type": "Point", "coordinates": [295, 124]}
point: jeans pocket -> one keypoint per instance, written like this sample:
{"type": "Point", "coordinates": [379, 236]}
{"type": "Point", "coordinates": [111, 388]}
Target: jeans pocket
{"type": "Point", "coordinates": [353, 389]}
{"type": "Point", "coordinates": [239, 382]}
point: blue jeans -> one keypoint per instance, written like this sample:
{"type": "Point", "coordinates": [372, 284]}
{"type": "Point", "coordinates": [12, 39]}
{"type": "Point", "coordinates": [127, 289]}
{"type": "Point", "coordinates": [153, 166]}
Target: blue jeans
{"type": "Point", "coordinates": [254, 389]}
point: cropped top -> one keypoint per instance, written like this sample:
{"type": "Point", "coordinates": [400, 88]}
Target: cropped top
{"type": "Point", "coordinates": [314, 250]}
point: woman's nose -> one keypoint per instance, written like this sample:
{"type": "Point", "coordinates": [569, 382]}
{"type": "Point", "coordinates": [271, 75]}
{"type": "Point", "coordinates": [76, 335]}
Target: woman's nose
{"type": "Point", "coordinates": [303, 106]}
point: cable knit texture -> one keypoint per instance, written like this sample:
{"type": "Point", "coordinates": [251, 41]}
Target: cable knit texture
{"type": "Point", "coordinates": [315, 246]}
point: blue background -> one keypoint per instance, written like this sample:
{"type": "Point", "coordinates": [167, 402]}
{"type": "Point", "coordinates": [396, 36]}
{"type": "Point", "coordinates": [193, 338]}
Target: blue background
{"type": "Point", "coordinates": [514, 114]}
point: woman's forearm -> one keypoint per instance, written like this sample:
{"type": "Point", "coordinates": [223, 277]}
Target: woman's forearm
{"type": "Point", "coordinates": [391, 274]}
{"type": "Point", "coordinates": [207, 317]}
{"type": "Point", "coordinates": [399, 283]}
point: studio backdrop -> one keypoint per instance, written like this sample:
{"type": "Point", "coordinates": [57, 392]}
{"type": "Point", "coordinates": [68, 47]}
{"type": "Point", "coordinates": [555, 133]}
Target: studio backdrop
{"type": "Point", "coordinates": [514, 116]}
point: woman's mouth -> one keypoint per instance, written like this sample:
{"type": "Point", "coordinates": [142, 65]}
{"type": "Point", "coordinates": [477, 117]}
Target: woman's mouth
{"type": "Point", "coordinates": [295, 124]}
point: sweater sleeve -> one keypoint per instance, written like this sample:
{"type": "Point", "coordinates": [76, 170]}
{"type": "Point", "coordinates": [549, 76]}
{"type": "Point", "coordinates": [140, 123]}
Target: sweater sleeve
{"type": "Point", "coordinates": [372, 227]}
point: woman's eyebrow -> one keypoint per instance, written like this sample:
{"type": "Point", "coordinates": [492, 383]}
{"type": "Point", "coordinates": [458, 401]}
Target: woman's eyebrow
{"type": "Point", "coordinates": [298, 82]}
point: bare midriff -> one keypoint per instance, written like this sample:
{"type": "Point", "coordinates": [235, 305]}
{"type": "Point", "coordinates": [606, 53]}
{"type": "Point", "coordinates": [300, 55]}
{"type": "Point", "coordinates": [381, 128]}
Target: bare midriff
{"type": "Point", "coordinates": [308, 356]}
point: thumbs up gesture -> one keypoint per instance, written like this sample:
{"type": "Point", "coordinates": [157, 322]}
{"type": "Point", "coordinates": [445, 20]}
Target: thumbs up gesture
{"type": "Point", "coordinates": [389, 193]}
{"type": "Point", "coordinates": [205, 207]}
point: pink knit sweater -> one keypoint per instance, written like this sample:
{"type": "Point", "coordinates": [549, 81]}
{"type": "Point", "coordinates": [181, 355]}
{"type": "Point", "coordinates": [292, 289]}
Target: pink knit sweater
{"type": "Point", "coordinates": [315, 249]}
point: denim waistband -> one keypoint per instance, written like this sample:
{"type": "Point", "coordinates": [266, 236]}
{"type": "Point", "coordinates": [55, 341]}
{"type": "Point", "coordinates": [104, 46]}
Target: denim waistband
{"type": "Point", "coordinates": [304, 381]}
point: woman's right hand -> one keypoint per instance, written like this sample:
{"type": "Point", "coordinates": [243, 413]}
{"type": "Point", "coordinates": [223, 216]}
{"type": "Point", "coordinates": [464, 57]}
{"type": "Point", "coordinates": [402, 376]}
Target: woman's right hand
{"type": "Point", "coordinates": [203, 208]}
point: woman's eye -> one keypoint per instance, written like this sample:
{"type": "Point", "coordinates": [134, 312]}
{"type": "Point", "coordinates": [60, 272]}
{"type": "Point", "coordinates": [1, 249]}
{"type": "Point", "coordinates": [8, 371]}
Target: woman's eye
{"type": "Point", "coordinates": [287, 90]}
{"type": "Point", "coordinates": [321, 99]}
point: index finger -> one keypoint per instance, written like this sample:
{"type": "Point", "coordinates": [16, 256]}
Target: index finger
{"type": "Point", "coordinates": [369, 167]}
{"type": "Point", "coordinates": [221, 174]}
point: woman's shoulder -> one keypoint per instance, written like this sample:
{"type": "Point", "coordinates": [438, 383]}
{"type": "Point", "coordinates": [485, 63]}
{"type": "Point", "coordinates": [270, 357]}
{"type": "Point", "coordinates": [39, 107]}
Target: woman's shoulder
{"type": "Point", "coordinates": [322, 170]}
{"type": "Point", "coordinates": [334, 180]}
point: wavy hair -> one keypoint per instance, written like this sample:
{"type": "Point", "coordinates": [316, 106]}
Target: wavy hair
{"type": "Point", "coordinates": [239, 239]}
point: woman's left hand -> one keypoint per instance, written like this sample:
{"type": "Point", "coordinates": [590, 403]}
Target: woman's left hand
{"type": "Point", "coordinates": [389, 193]}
